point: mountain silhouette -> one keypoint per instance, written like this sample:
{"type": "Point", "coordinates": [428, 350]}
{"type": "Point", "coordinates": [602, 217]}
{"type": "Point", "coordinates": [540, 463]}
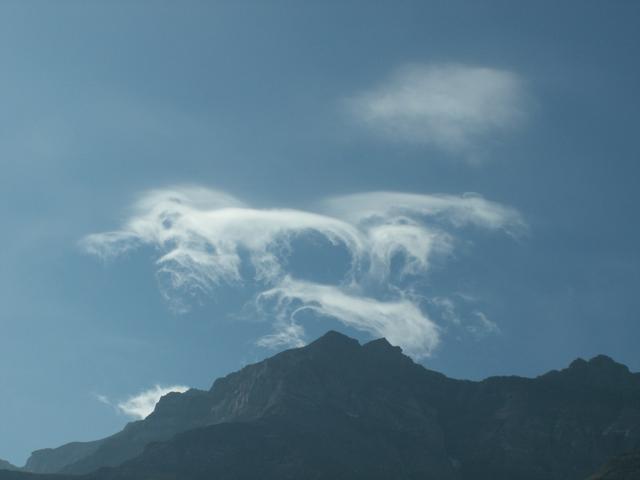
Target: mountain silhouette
{"type": "Point", "coordinates": [4, 465]}
{"type": "Point", "coordinates": [336, 409]}
{"type": "Point", "coordinates": [621, 467]}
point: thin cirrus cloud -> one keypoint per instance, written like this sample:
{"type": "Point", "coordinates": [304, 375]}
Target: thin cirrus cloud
{"type": "Point", "coordinates": [455, 210]}
{"type": "Point", "coordinates": [400, 321]}
{"type": "Point", "coordinates": [206, 238]}
{"type": "Point", "coordinates": [453, 107]}
{"type": "Point", "coordinates": [474, 322]}
{"type": "Point", "coordinates": [483, 326]}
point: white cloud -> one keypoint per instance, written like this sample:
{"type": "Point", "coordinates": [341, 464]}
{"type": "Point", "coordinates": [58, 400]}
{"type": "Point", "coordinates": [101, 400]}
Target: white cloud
{"type": "Point", "coordinates": [457, 314]}
{"type": "Point", "coordinates": [450, 106]}
{"type": "Point", "coordinates": [415, 225]}
{"type": "Point", "coordinates": [483, 326]}
{"type": "Point", "coordinates": [141, 405]}
{"type": "Point", "coordinates": [415, 242]}
{"type": "Point", "coordinates": [457, 211]}
{"type": "Point", "coordinates": [447, 309]}
{"type": "Point", "coordinates": [206, 237]}
{"type": "Point", "coordinates": [102, 399]}
{"type": "Point", "coordinates": [288, 334]}
{"type": "Point", "coordinates": [400, 321]}
{"type": "Point", "coordinates": [202, 233]}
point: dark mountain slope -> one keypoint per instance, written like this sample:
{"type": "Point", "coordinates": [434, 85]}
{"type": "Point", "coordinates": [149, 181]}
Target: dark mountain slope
{"type": "Point", "coordinates": [330, 370]}
{"type": "Point", "coordinates": [621, 467]}
{"type": "Point", "coordinates": [175, 413]}
{"type": "Point", "coordinates": [4, 465]}
{"type": "Point", "coordinates": [50, 460]}
{"type": "Point", "coordinates": [337, 448]}
{"type": "Point", "coordinates": [399, 421]}
{"type": "Point", "coordinates": [336, 409]}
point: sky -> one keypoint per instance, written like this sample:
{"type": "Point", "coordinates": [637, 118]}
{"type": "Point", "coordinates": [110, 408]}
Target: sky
{"type": "Point", "coordinates": [188, 189]}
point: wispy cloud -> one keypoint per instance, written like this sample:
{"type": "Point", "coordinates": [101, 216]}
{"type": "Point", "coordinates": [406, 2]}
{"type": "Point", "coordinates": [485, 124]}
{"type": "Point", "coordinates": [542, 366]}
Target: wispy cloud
{"type": "Point", "coordinates": [202, 234]}
{"type": "Point", "coordinates": [417, 226]}
{"type": "Point", "coordinates": [141, 405]}
{"type": "Point", "coordinates": [483, 325]}
{"type": "Point", "coordinates": [447, 309]}
{"type": "Point", "coordinates": [206, 237]}
{"type": "Point", "coordinates": [288, 333]}
{"type": "Point", "coordinates": [400, 321]}
{"type": "Point", "coordinates": [450, 106]}
{"type": "Point", "coordinates": [460, 312]}
{"type": "Point", "coordinates": [103, 399]}
{"type": "Point", "coordinates": [453, 210]}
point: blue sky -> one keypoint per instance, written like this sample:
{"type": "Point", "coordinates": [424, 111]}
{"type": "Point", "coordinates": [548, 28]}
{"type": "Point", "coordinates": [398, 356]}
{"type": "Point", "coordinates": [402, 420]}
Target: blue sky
{"type": "Point", "coordinates": [188, 189]}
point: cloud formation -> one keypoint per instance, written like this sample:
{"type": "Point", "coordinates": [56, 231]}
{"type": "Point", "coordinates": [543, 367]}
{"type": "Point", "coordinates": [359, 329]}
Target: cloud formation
{"type": "Point", "coordinates": [140, 406]}
{"type": "Point", "coordinates": [460, 312]}
{"type": "Point", "coordinates": [205, 238]}
{"type": "Point", "coordinates": [202, 235]}
{"type": "Point", "coordinates": [450, 106]}
{"type": "Point", "coordinates": [417, 225]}
{"type": "Point", "coordinates": [400, 321]}
{"type": "Point", "coordinates": [455, 210]}
{"type": "Point", "coordinates": [484, 325]}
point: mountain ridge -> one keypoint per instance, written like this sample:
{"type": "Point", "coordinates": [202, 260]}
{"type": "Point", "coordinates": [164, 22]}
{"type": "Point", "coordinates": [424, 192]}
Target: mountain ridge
{"type": "Point", "coordinates": [620, 467]}
{"type": "Point", "coordinates": [5, 465]}
{"type": "Point", "coordinates": [560, 425]}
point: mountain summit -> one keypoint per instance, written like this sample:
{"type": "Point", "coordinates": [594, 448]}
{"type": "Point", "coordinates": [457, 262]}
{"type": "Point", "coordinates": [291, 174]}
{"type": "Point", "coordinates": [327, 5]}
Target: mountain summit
{"type": "Point", "coordinates": [336, 409]}
{"type": "Point", "coordinates": [601, 371]}
{"type": "Point", "coordinates": [4, 465]}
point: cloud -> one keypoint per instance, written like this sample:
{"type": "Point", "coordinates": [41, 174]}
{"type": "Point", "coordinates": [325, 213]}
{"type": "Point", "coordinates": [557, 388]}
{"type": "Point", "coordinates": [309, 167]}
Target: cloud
{"type": "Point", "coordinates": [447, 309]}
{"type": "Point", "coordinates": [103, 399]}
{"type": "Point", "coordinates": [417, 226]}
{"type": "Point", "coordinates": [203, 233]}
{"type": "Point", "coordinates": [450, 106]}
{"type": "Point", "coordinates": [141, 405]}
{"type": "Point", "coordinates": [456, 314]}
{"type": "Point", "coordinates": [205, 238]}
{"type": "Point", "coordinates": [457, 211]}
{"type": "Point", "coordinates": [416, 243]}
{"type": "Point", "coordinates": [401, 321]}
{"type": "Point", "coordinates": [483, 326]}
{"type": "Point", "coordinates": [288, 334]}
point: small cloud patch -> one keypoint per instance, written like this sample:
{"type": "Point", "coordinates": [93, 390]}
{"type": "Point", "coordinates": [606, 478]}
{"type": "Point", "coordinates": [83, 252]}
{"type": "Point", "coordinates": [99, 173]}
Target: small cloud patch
{"type": "Point", "coordinates": [452, 107]}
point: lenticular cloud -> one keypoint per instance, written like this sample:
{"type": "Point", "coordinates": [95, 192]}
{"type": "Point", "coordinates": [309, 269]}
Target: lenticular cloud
{"type": "Point", "coordinates": [206, 238]}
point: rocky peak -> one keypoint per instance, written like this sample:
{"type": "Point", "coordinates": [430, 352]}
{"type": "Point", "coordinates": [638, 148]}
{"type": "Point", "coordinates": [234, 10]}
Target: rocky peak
{"type": "Point", "coordinates": [605, 362]}
{"type": "Point", "coordinates": [602, 362]}
{"type": "Point", "coordinates": [601, 371]}
{"type": "Point", "coordinates": [4, 465]}
{"type": "Point", "coordinates": [334, 342]}
{"type": "Point", "coordinates": [381, 352]}
{"type": "Point", "coordinates": [382, 345]}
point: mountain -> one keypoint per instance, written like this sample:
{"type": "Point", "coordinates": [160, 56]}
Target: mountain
{"type": "Point", "coordinates": [621, 467]}
{"type": "Point", "coordinates": [336, 409]}
{"type": "Point", "coordinates": [4, 465]}
{"type": "Point", "coordinates": [50, 460]}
